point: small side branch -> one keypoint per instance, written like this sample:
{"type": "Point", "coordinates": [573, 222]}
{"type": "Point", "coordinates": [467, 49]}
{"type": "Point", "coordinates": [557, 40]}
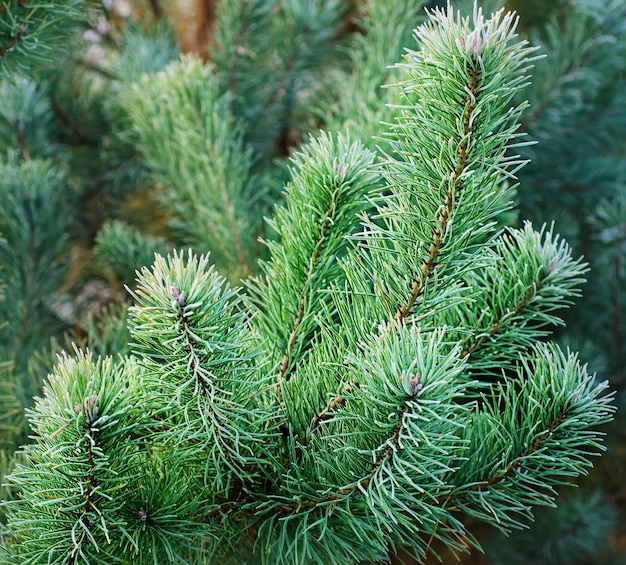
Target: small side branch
{"type": "Point", "coordinates": [512, 468]}
{"type": "Point", "coordinates": [333, 405]}
{"type": "Point", "coordinates": [518, 463]}
{"type": "Point", "coordinates": [455, 186]}
{"type": "Point", "coordinates": [295, 335]}
{"type": "Point", "coordinates": [500, 323]}
{"type": "Point", "coordinates": [23, 30]}
{"type": "Point", "coordinates": [391, 443]}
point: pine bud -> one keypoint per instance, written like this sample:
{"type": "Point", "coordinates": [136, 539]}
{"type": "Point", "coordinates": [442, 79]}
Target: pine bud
{"type": "Point", "coordinates": [552, 264]}
{"type": "Point", "coordinates": [414, 384]}
{"type": "Point", "coordinates": [473, 44]}
{"type": "Point", "coordinates": [88, 408]}
{"type": "Point", "coordinates": [179, 298]}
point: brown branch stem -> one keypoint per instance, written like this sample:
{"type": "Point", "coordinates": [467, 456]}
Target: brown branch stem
{"type": "Point", "coordinates": [157, 10]}
{"type": "Point", "coordinates": [203, 383]}
{"type": "Point", "coordinates": [90, 414]}
{"type": "Point", "coordinates": [205, 11]}
{"type": "Point", "coordinates": [512, 467]}
{"type": "Point", "coordinates": [454, 188]}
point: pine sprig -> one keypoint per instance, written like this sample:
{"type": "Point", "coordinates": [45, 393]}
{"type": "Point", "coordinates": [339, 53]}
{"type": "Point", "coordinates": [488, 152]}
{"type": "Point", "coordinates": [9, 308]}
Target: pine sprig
{"type": "Point", "coordinates": [518, 295]}
{"type": "Point", "coordinates": [466, 130]}
{"type": "Point", "coordinates": [331, 180]}
{"type": "Point", "coordinates": [197, 150]}
{"type": "Point", "coordinates": [536, 431]}
{"type": "Point", "coordinates": [200, 364]}
{"type": "Point", "coordinates": [384, 455]}
{"type": "Point", "coordinates": [79, 468]}
{"type": "Point", "coordinates": [397, 321]}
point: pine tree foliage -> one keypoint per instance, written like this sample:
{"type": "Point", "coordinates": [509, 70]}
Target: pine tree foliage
{"type": "Point", "coordinates": [181, 112]}
{"type": "Point", "coordinates": [386, 26]}
{"type": "Point", "coordinates": [608, 222]}
{"type": "Point", "coordinates": [74, 114]}
{"type": "Point", "coordinates": [579, 94]}
{"type": "Point", "coordinates": [82, 483]}
{"type": "Point", "coordinates": [329, 181]}
{"type": "Point", "coordinates": [29, 30]}
{"type": "Point", "coordinates": [387, 375]}
{"type": "Point", "coordinates": [578, 91]}
{"type": "Point", "coordinates": [576, 176]}
{"type": "Point", "coordinates": [120, 248]}
{"type": "Point", "coordinates": [25, 116]}
{"type": "Point", "coordinates": [271, 75]}
{"type": "Point", "coordinates": [34, 220]}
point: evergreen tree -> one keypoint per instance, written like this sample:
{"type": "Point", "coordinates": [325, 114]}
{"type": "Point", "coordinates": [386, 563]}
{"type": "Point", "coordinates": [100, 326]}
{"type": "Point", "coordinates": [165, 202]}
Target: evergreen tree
{"type": "Point", "coordinates": [386, 371]}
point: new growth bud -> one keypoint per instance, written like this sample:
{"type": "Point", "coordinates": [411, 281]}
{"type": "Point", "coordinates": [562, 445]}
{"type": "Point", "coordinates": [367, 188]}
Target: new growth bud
{"type": "Point", "coordinates": [474, 38]}
{"type": "Point", "coordinates": [88, 408]}
{"type": "Point", "coordinates": [473, 44]}
{"type": "Point", "coordinates": [179, 299]}
{"type": "Point", "coordinates": [414, 383]}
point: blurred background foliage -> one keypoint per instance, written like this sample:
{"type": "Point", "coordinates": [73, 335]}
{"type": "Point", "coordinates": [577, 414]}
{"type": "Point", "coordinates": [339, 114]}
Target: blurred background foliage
{"type": "Point", "coordinates": [111, 151]}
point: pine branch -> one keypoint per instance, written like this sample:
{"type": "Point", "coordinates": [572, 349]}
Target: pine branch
{"type": "Point", "coordinates": [34, 222]}
{"type": "Point", "coordinates": [265, 72]}
{"type": "Point", "coordinates": [474, 161]}
{"type": "Point", "coordinates": [391, 281]}
{"type": "Point", "coordinates": [203, 162]}
{"type": "Point", "coordinates": [554, 400]}
{"type": "Point", "coordinates": [589, 35]}
{"type": "Point", "coordinates": [318, 249]}
{"type": "Point", "coordinates": [30, 30]}
{"type": "Point", "coordinates": [331, 180]}
{"type": "Point", "coordinates": [474, 166]}
{"type": "Point", "coordinates": [391, 410]}
{"type": "Point", "coordinates": [211, 382]}
{"type": "Point", "coordinates": [83, 450]}
{"type": "Point", "coordinates": [453, 190]}
{"type": "Point", "coordinates": [536, 278]}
